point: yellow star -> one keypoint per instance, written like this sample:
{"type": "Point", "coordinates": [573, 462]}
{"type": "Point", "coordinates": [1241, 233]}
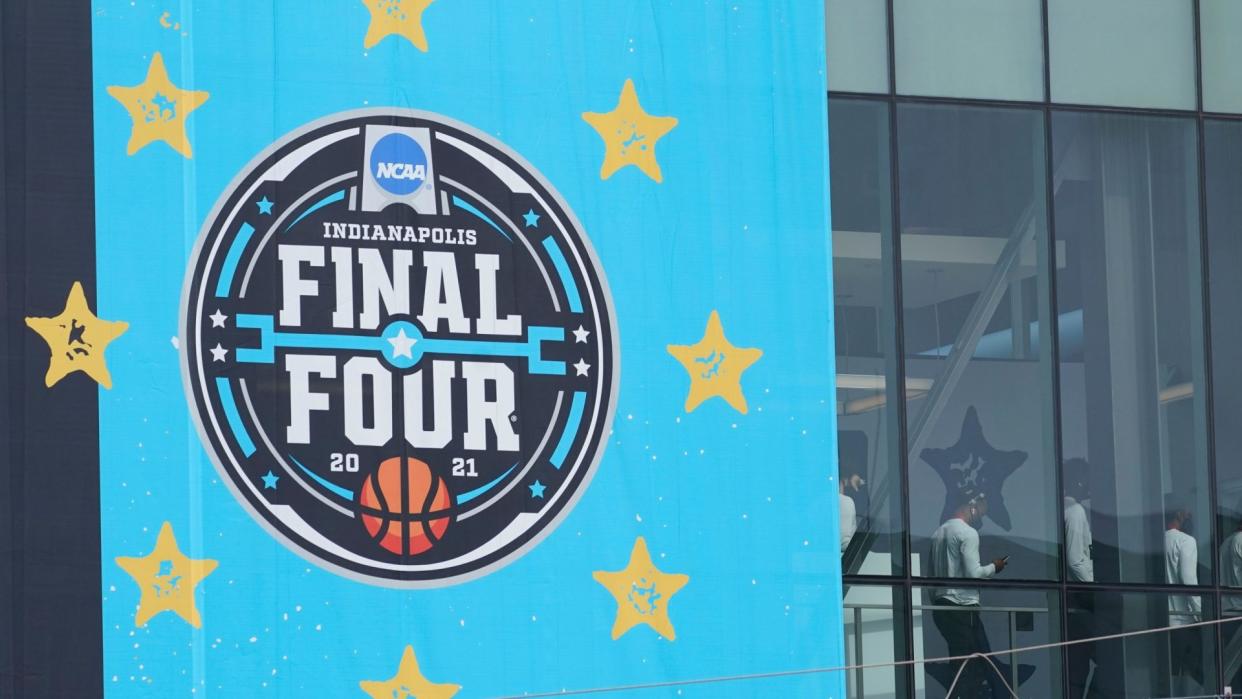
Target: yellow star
{"type": "Point", "coordinates": [642, 593]}
{"type": "Point", "coordinates": [167, 579]}
{"type": "Point", "coordinates": [630, 135]}
{"type": "Point", "coordinates": [409, 683]}
{"type": "Point", "coordinates": [158, 109]}
{"type": "Point", "coordinates": [77, 340]}
{"type": "Point", "coordinates": [401, 17]}
{"type": "Point", "coordinates": [715, 367]}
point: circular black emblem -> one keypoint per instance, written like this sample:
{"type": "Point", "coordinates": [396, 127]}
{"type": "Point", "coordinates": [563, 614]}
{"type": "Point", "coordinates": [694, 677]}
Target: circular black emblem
{"type": "Point", "coordinates": [399, 348]}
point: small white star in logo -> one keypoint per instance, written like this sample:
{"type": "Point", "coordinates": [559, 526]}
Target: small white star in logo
{"type": "Point", "coordinates": [581, 367]}
{"type": "Point", "coordinates": [401, 344]}
{"type": "Point", "coordinates": [217, 319]}
{"type": "Point", "coordinates": [580, 335]}
{"type": "Point", "coordinates": [218, 353]}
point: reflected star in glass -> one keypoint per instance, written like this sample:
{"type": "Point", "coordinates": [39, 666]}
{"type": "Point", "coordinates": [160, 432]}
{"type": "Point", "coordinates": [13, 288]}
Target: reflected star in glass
{"type": "Point", "coordinates": [973, 463]}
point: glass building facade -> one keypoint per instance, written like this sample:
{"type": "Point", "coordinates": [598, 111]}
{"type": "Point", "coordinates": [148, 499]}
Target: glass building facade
{"type": "Point", "coordinates": [1037, 232]}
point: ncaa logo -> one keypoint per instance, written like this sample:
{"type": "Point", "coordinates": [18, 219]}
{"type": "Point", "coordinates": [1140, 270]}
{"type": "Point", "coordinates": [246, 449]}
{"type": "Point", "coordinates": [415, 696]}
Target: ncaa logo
{"type": "Point", "coordinates": [398, 164]}
{"type": "Point", "coordinates": [410, 394]}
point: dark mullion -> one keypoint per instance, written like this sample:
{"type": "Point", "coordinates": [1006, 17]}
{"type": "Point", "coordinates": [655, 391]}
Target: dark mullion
{"type": "Point", "coordinates": [1209, 429]}
{"type": "Point", "coordinates": [1004, 584]}
{"type": "Point", "coordinates": [1043, 17]}
{"type": "Point", "coordinates": [892, 49]}
{"type": "Point", "coordinates": [897, 346]}
{"type": "Point", "coordinates": [1198, 41]}
{"type": "Point", "coordinates": [1053, 375]}
{"type": "Point", "coordinates": [1065, 107]}
{"type": "Point", "coordinates": [1054, 358]}
{"type": "Point", "coordinates": [1030, 104]}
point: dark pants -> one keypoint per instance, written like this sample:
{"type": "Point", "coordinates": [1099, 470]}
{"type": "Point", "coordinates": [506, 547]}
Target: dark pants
{"type": "Point", "coordinates": [1186, 653]}
{"type": "Point", "coordinates": [1081, 625]}
{"type": "Point", "coordinates": [962, 629]}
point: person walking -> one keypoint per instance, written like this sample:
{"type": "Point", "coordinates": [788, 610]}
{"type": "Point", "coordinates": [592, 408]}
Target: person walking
{"type": "Point", "coordinates": [955, 554]}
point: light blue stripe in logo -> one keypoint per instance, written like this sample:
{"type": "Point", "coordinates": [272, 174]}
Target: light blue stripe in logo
{"type": "Point", "coordinates": [562, 269]}
{"type": "Point", "coordinates": [468, 207]}
{"type": "Point", "coordinates": [571, 430]}
{"type": "Point", "coordinates": [321, 481]}
{"type": "Point", "coordinates": [225, 390]}
{"type": "Point", "coordinates": [232, 258]}
{"type": "Point", "coordinates": [468, 496]}
{"type": "Point", "coordinates": [331, 198]}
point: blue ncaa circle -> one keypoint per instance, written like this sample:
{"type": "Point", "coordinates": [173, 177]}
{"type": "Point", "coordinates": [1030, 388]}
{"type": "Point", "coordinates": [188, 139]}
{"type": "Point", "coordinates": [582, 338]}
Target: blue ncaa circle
{"type": "Point", "coordinates": [398, 164]}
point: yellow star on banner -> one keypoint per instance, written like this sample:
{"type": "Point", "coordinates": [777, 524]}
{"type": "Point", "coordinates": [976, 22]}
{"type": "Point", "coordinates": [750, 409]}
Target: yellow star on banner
{"type": "Point", "coordinates": [630, 135]}
{"type": "Point", "coordinates": [77, 340]}
{"type": "Point", "coordinates": [715, 366]}
{"type": "Point", "coordinates": [409, 683]}
{"type": "Point", "coordinates": [642, 593]}
{"type": "Point", "coordinates": [158, 109]}
{"type": "Point", "coordinates": [401, 17]}
{"type": "Point", "coordinates": [167, 579]}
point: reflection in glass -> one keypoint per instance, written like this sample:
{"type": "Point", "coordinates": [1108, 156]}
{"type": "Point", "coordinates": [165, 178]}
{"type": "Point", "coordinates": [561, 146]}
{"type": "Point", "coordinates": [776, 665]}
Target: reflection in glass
{"type": "Point", "coordinates": [975, 284]}
{"type": "Point", "coordinates": [1130, 344]}
{"type": "Point", "coordinates": [856, 34]}
{"type": "Point", "coordinates": [1222, 55]}
{"type": "Point", "coordinates": [875, 619]}
{"type": "Point", "coordinates": [1223, 152]}
{"type": "Point", "coordinates": [1125, 53]}
{"type": "Point", "coordinates": [1177, 663]}
{"type": "Point", "coordinates": [866, 387]}
{"type": "Point", "coordinates": [969, 48]}
{"type": "Point", "coordinates": [1223, 149]}
{"type": "Point", "coordinates": [1005, 618]}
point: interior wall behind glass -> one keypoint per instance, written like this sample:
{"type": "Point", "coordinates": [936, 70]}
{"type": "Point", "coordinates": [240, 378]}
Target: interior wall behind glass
{"type": "Point", "coordinates": [974, 269]}
{"type": "Point", "coordinates": [856, 35]}
{"type": "Point", "coordinates": [867, 391]}
{"type": "Point", "coordinates": [1124, 53]}
{"type": "Point", "coordinates": [1129, 310]}
{"type": "Point", "coordinates": [970, 48]}
{"type": "Point", "coordinates": [1220, 25]}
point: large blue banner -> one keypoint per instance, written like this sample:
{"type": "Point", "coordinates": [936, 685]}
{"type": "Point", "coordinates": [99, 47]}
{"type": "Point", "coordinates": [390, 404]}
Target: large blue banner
{"type": "Point", "coordinates": [463, 348]}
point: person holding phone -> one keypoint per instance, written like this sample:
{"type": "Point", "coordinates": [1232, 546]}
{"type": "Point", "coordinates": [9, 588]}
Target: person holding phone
{"type": "Point", "coordinates": [955, 554]}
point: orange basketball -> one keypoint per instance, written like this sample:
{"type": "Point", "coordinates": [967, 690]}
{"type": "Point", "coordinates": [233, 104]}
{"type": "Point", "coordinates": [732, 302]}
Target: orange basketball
{"type": "Point", "coordinates": [408, 494]}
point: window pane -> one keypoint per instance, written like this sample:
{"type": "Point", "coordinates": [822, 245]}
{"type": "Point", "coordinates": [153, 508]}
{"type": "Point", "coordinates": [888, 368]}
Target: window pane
{"type": "Point", "coordinates": [1131, 53]}
{"type": "Point", "coordinates": [1223, 148]}
{"type": "Point", "coordinates": [875, 622]}
{"type": "Point", "coordinates": [1005, 618]}
{"type": "Point", "coordinates": [866, 367]}
{"type": "Point", "coordinates": [856, 32]}
{"type": "Point", "coordinates": [1177, 663]}
{"type": "Point", "coordinates": [1231, 639]}
{"type": "Point", "coordinates": [1220, 23]}
{"type": "Point", "coordinates": [1130, 333]}
{"type": "Point", "coordinates": [975, 293]}
{"type": "Point", "coordinates": [970, 48]}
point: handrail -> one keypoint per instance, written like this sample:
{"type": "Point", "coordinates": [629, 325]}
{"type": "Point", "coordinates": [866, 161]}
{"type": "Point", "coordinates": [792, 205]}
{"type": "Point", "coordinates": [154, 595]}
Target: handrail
{"type": "Point", "coordinates": [950, 607]}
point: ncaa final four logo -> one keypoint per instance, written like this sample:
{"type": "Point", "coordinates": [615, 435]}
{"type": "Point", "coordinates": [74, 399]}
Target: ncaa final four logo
{"type": "Point", "coordinates": [399, 348]}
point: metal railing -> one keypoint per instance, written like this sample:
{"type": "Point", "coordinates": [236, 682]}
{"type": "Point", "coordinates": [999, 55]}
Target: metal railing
{"type": "Point", "coordinates": [856, 642]}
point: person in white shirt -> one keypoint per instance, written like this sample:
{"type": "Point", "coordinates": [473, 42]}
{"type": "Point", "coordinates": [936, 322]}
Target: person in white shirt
{"type": "Point", "coordinates": [955, 554]}
{"type": "Point", "coordinates": [1181, 567]}
{"type": "Point", "coordinates": [851, 481]}
{"type": "Point", "coordinates": [1077, 523]}
{"type": "Point", "coordinates": [1080, 568]}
